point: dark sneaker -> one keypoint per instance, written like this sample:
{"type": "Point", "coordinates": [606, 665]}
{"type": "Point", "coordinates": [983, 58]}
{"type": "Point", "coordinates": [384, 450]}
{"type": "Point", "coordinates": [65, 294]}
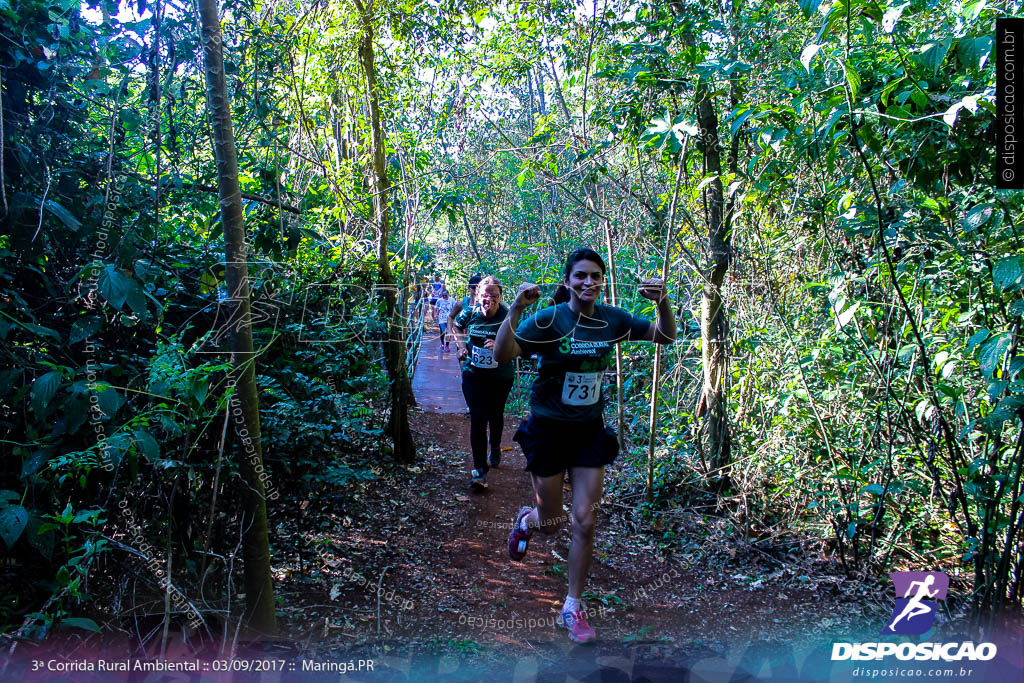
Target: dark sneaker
{"type": "Point", "coordinates": [579, 630]}
{"type": "Point", "coordinates": [479, 481]}
{"type": "Point", "coordinates": [495, 458]}
{"type": "Point", "coordinates": [519, 539]}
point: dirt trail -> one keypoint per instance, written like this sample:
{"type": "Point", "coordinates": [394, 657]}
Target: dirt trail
{"type": "Point", "coordinates": [479, 594]}
{"type": "Point", "coordinates": [436, 553]}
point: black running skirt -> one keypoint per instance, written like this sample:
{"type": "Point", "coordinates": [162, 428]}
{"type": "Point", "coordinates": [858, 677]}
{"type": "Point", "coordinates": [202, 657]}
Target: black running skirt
{"type": "Point", "coordinates": [554, 446]}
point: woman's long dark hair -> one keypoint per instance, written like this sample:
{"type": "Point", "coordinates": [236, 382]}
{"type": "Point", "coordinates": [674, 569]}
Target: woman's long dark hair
{"type": "Point", "coordinates": [583, 254]}
{"type": "Point", "coordinates": [561, 295]}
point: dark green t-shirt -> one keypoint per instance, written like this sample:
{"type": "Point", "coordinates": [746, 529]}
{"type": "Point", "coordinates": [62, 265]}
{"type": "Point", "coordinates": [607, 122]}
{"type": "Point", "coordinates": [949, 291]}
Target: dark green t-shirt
{"type": "Point", "coordinates": [574, 351]}
{"type": "Point", "coordinates": [478, 330]}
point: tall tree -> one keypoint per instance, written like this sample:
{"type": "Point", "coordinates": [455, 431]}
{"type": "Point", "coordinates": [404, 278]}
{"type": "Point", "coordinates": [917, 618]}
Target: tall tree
{"type": "Point", "coordinates": [400, 390]}
{"type": "Point", "coordinates": [713, 317]}
{"type": "Point", "coordinates": [260, 616]}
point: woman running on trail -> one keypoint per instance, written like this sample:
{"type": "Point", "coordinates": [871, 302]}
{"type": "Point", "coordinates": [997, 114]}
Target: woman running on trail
{"type": "Point", "coordinates": [435, 289]}
{"type": "Point", "coordinates": [441, 311]}
{"type": "Point", "coordinates": [485, 382]}
{"type": "Point", "coordinates": [565, 430]}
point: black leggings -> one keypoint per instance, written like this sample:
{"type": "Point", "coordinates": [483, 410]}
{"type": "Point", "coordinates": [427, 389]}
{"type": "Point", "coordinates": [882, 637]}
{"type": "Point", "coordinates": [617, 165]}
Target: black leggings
{"type": "Point", "coordinates": [485, 396]}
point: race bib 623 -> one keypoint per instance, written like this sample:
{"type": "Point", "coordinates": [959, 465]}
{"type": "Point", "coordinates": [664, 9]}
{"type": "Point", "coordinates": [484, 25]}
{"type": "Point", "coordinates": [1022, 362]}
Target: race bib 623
{"type": "Point", "coordinates": [483, 358]}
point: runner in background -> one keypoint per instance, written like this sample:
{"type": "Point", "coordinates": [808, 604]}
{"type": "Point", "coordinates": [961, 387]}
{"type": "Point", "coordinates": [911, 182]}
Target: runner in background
{"type": "Point", "coordinates": [565, 430]}
{"type": "Point", "coordinates": [485, 382]}
{"type": "Point", "coordinates": [441, 312]}
{"type": "Point", "coordinates": [435, 289]}
{"type": "Point", "coordinates": [467, 302]}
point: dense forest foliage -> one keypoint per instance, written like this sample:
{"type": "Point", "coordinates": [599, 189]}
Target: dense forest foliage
{"type": "Point", "coordinates": [813, 178]}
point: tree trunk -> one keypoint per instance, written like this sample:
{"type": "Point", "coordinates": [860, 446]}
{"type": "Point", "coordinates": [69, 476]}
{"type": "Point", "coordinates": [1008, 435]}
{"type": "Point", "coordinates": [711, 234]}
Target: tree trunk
{"type": "Point", "coordinates": [259, 616]}
{"type": "Point", "coordinates": [714, 323]}
{"type": "Point", "coordinates": [472, 241]}
{"type": "Point", "coordinates": [398, 423]}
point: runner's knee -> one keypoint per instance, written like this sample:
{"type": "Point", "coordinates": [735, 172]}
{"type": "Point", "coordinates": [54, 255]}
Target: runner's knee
{"type": "Point", "coordinates": [583, 524]}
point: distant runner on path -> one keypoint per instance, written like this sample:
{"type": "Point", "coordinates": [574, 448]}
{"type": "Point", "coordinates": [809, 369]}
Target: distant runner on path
{"type": "Point", "coordinates": [485, 382]}
{"type": "Point", "coordinates": [565, 429]}
{"type": "Point", "coordinates": [435, 289]}
{"type": "Point", "coordinates": [441, 312]}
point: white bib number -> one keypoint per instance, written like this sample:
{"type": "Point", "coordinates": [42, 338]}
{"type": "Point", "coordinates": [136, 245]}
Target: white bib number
{"type": "Point", "coordinates": [581, 388]}
{"type": "Point", "coordinates": [483, 358]}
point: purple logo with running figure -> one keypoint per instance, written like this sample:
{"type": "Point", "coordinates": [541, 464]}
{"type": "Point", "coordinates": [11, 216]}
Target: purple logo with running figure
{"type": "Point", "coordinates": [916, 593]}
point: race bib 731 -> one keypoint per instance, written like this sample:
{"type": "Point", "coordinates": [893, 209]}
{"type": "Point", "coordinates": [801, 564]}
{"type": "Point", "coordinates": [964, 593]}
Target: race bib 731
{"type": "Point", "coordinates": [581, 388]}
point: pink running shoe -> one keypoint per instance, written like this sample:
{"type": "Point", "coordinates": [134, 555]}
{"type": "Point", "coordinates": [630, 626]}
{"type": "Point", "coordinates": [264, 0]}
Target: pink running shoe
{"type": "Point", "coordinates": [519, 539]}
{"type": "Point", "coordinates": [579, 629]}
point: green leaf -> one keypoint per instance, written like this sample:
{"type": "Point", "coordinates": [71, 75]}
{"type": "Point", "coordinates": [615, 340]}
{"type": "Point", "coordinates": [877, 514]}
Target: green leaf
{"type": "Point", "coordinates": [992, 352]}
{"type": "Point", "coordinates": [906, 351]}
{"type": "Point", "coordinates": [972, 10]}
{"type": "Point", "coordinates": [996, 388]}
{"type": "Point", "coordinates": [974, 52]}
{"type": "Point", "coordinates": [702, 184]}
{"type": "Point", "coordinates": [977, 338]}
{"type": "Point", "coordinates": [136, 299]}
{"type": "Point", "coordinates": [41, 331]}
{"type": "Point", "coordinates": [978, 216]}
{"type": "Point", "coordinates": [80, 622]}
{"type": "Point", "coordinates": [83, 328]}
{"type": "Point", "coordinates": [740, 120]}
{"type": "Point", "coordinates": [44, 389]}
{"type": "Point", "coordinates": [1007, 273]}
{"type": "Point", "coordinates": [129, 119]}
{"type": "Point", "coordinates": [843, 318]}
{"type": "Point", "coordinates": [147, 444]}
{"type": "Point", "coordinates": [63, 214]}
{"type": "Point", "coordinates": [874, 489]}
{"type": "Point", "coordinates": [115, 447]}
{"type": "Point", "coordinates": [12, 522]}
{"type": "Point", "coordinates": [809, 7]}
{"type": "Point", "coordinates": [892, 16]}
{"type": "Point", "coordinates": [108, 399]}
{"type": "Point", "coordinates": [114, 286]}
{"type": "Point", "coordinates": [1009, 405]}
{"type": "Point", "coordinates": [969, 103]}
{"type": "Point", "coordinates": [86, 515]}
{"type": "Point", "coordinates": [524, 175]}
{"type": "Point", "coordinates": [853, 79]}
{"type": "Point", "coordinates": [33, 464]}
{"type": "Point", "coordinates": [808, 54]}
{"type": "Point", "coordinates": [932, 55]}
